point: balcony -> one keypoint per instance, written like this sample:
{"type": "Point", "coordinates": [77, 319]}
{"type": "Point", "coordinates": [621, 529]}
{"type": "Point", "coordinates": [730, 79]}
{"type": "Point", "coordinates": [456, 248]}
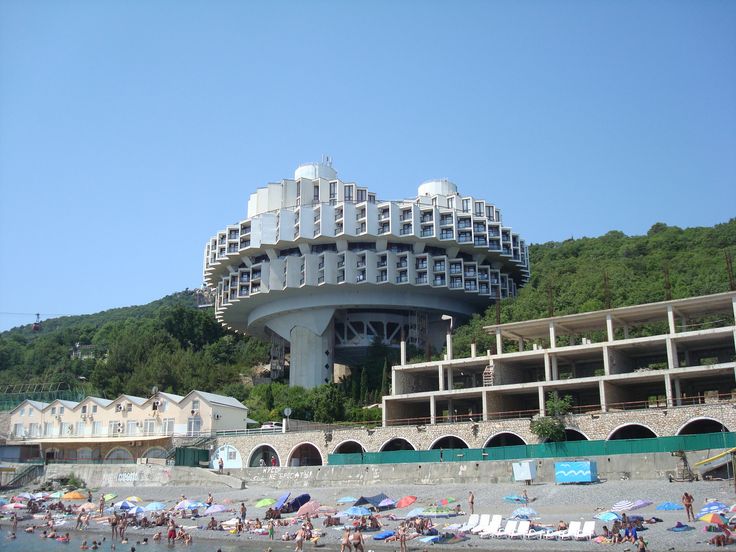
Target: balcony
{"type": "Point", "coordinates": [456, 269]}
{"type": "Point", "coordinates": [402, 264]}
{"type": "Point", "coordinates": [383, 230]}
{"type": "Point", "coordinates": [421, 265]}
{"type": "Point", "coordinates": [439, 267]}
{"type": "Point", "coordinates": [361, 277]}
{"type": "Point", "coordinates": [405, 231]}
{"type": "Point", "coordinates": [405, 217]}
{"type": "Point", "coordinates": [463, 223]}
{"type": "Point", "coordinates": [464, 238]}
{"type": "Point", "coordinates": [470, 273]}
{"type": "Point", "coordinates": [480, 241]}
{"type": "Point", "coordinates": [427, 217]}
{"type": "Point", "coordinates": [446, 235]}
{"type": "Point", "coordinates": [483, 276]}
{"type": "Point", "coordinates": [438, 282]}
{"type": "Point", "coordinates": [421, 279]}
{"type": "Point", "coordinates": [382, 277]}
{"type": "Point", "coordinates": [361, 263]}
{"type": "Point", "coordinates": [427, 233]}
{"type": "Point", "coordinates": [383, 215]}
{"type": "Point", "coordinates": [402, 279]}
{"type": "Point", "coordinates": [456, 283]}
{"type": "Point", "coordinates": [446, 221]}
{"type": "Point", "coordinates": [382, 263]}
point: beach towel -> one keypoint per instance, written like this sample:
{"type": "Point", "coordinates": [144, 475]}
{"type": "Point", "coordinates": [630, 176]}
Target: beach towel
{"type": "Point", "coordinates": [383, 535]}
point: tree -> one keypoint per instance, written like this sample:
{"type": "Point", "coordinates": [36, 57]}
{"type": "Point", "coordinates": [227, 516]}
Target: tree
{"type": "Point", "coordinates": [384, 379]}
{"type": "Point", "coordinates": [329, 404]}
{"type": "Point", "coordinates": [552, 426]}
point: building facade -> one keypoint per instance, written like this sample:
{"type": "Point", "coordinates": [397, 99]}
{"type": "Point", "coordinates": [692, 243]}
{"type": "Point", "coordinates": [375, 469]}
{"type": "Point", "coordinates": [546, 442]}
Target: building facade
{"type": "Point", "coordinates": [123, 429]}
{"type": "Point", "coordinates": [324, 268]}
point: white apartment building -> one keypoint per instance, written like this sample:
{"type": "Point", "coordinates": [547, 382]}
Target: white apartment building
{"type": "Point", "coordinates": [324, 267]}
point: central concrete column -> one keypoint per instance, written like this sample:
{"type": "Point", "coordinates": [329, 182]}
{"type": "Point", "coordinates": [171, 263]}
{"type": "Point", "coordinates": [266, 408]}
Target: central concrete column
{"type": "Point", "coordinates": [547, 368]}
{"type": "Point", "coordinates": [678, 393]}
{"type": "Point", "coordinates": [449, 378]}
{"type": "Point", "coordinates": [542, 406]}
{"type": "Point", "coordinates": [441, 375]}
{"type": "Point", "coordinates": [668, 389]}
{"type": "Point", "coordinates": [484, 399]}
{"type": "Point", "coordinates": [552, 336]}
{"type": "Point", "coordinates": [432, 410]}
{"type": "Point", "coordinates": [602, 394]}
{"type": "Point", "coordinates": [609, 327]}
{"type": "Point", "coordinates": [671, 319]}
{"type": "Point", "coordinates": [499, 342]}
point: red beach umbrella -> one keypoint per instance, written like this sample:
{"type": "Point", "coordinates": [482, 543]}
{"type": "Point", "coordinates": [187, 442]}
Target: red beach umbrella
{"type": "Point", "coordinates": [406, 501]}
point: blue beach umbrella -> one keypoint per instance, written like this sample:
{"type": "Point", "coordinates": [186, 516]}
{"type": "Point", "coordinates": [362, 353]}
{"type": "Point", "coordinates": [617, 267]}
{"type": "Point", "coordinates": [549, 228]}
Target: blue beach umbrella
{"type": "Point", "coordinates": [124, 505]}
{"type": "Point", "coordinates": [356, 511]}
{"type": "Point", "coordinates": [524, 513]}
{"type": "Point", "coordinates": [280, 501]}
{"type": "Point", "coordinates": [712, 508]}
{"type": "Point", "coordinates": [414, 513]}
{"type": "Point", "coordinates": [670, 506]}
{"type": "Point", "coordinates": [155, 507]}
{"type": "Point", "coordinates": [346, 500]}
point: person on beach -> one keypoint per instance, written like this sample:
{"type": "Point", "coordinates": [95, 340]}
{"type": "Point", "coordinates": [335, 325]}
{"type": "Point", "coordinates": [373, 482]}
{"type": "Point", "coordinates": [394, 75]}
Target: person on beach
{"type": "Point", "coordinates": [14, 522]}
{"type": "Point", "coordinates": [524, 498]}
{"type": "Point", "coordinates": [102, 504]}
{"type": "Point", "coordinates": [687, 502]}
{"type": "Point", "coordinates": [270, 530]}
{"type": "Point", "coordinates": [471, 501]}
{"type": "Point", "coordinates": [402, 537]}
{"type": "Point", "coordinates": [209, 500]}
{"type": "Point", "coordinates": [89, 496]}
{"type": "Point", "coordinates": [78, 526]}
{"type": "Point", "coordinates": [243, 511]}
{"type": "Point", "coordinates": [357, 541]}
{"type": "Point", "coordinates": [114, 519]}
{"type": "Point", "coordinates": [220, 464]}
{"type": "Point", "coordinates": [299, 540]}
{"type": "Point", "coordinates": [171, 535]}
{"type": "Point", "coordinates": [641, 546]}
{"type": "Point", "coordinates": [345, 541]}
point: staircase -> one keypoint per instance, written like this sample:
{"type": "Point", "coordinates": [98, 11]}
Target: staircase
{"type": "Point", "coordinates": [488, 376]}
{"type": "Point", "coordinates": [683, 472]}
{"type": "Point", "coordinates": [201, 442]}
{"type": "Point", "coordinates": [25, 476]}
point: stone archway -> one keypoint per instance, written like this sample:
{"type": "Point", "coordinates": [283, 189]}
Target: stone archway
{"type": "Point", "coordinates": [575, 435]}
{"type": "Point", "coordinates": [305, 454]}
{"type": "Point", "coordinates": [349, 447]}
{"type": "Point", "coordinates": [449, 442]}
{"type": "Point", "coordinates": [231, 458]}
{"type": "Point", "coordinates": [504, 439]}
{"type": "Point", "coordinates": [262, 456]}
{"type": "Point", "coordinates": [397, 443]}
{"type": "Point", "coordinates": [119, 455]}
{"type": "Point", "coordinates": [698, 426]}
{"type": "Point", "coordinates": [631, 431]}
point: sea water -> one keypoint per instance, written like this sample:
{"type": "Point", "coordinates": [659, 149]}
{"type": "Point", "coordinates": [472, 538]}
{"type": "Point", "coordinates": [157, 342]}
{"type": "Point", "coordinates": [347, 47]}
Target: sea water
{"type": "Point", "coordinates": [32, 542]}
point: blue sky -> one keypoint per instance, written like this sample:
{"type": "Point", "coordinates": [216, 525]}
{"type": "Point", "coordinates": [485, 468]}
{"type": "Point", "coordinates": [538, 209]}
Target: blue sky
{"type": "Point", "coordinates": [132, 131]}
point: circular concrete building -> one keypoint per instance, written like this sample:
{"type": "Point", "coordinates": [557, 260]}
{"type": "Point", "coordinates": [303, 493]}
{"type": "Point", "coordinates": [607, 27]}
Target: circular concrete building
{"type": "Point", "coordinates": [323, 268]}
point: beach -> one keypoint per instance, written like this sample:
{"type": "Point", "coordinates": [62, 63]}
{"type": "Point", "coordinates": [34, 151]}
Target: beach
{"type": "Point", "coordinates": [552, 502]}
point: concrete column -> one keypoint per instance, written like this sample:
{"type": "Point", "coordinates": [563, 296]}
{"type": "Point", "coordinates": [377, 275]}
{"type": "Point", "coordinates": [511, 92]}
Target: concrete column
{"type": "Point", "coordinates": [450, 411]}
{"type": "Point", "coordinates": [626, 331]}
{"type": "Point", "coordinates": [668, 389]}
{"type": "Point", "coordinates": [449, 345]}
{"type": "Point", "coordinates": [671, 319]}
{"type": "Point", "coordinates": [521, 344]}
{"type": "Point", "coordinates": [609, 327]}
{"type": "Point", "coordinates": [449, 378]}
{"type": "Point", "coordinates": [499, 343]}
{"type": "Point", "coordinates": [484, 399]}
{"type": "Point", "coordinates": [606, 362]}
{"type": "Point", "coordinates": [441, 374]}
{"type": "Point", "coordinates": [672, 360]}
{"type": "Point", "coordinates": [403, 351]}
{"type": "Point", "coordinates": [432, 410]}
{"type": "Point", "coordinates": [678, 393]}
{"type": "Point", "coordinates": [552, 336]}
{"type": "Point", "coordinates": [542, 407]}
{"type": "Point", "coordinates": [555, 371]}
{"type": "Point", "coordinates": [394, 390]}
{"type": "Point", "coordinates": [547, 368]}
{"type": "Point", "coordinates": [602, 393]}
{"type": "Point", "coordinates": [472, 349]}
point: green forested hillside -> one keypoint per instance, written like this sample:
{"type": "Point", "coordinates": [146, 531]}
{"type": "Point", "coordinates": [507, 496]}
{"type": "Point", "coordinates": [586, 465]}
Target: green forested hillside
{"type": "Point", "coordinates": [175, 346]}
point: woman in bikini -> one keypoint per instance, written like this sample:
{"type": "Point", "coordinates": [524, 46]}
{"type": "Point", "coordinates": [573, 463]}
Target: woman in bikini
{"type": "Point", "coordinates": [357, 541]}
{"type": "Point", "coordinates": [345, 541]}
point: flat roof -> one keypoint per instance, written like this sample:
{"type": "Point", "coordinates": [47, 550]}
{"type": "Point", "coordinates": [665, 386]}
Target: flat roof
{"type": "Point", "coordinates": [635, 314]}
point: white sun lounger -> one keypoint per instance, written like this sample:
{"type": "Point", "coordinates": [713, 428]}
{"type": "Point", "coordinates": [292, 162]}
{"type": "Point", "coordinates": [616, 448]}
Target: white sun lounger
{"type": "Point", "coordinates": [522, 530]}
{"type": "Point", "coordinates": [472, 523]}
{"type": "Point", "coordinates": [485, 519]}
{"type": "Point", "coordinates": [587, 532]}
{"type": "Point", "coordinates": [492, 527]}
{"type": "Point", "coordinates": [573, 529]}
{"type": "Point", "coordinates": [508, 530]}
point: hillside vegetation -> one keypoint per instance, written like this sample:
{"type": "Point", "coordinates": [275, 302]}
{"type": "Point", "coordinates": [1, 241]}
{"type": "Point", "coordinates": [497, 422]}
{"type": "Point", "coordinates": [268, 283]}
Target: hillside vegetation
{"type": "Point", "coordinates": [175, 346]}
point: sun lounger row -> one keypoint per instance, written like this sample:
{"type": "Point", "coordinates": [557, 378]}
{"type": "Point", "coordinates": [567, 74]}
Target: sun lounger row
{"type": "Point", "coordinates": [487, 526]}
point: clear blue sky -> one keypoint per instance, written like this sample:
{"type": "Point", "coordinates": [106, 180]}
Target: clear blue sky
{"type": "Point", "coordinates": [130, 132]}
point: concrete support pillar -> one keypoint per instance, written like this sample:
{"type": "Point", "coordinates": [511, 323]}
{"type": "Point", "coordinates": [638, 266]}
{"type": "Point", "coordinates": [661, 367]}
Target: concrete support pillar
{"type": "Point", "coordinates": [547, 368]}
{"type": "Point", "coordinates": [441, 375]}
{"type": "Point", "coordinates": [499, 342]}
{"type": "Point", "coordinates": [473, 350]}
{"type": "Point", "coordinates": [668, 390]}
{"type": "Point", "coordinates": [626, 331]}
{"type": "Point", "coordinates": [403, 350]}
{"type": "Point", "coordinates": [450, 411]}
{"type": "Point", "coordinates": [671, 319]}
{"type": "Point", "coordinates": [432, 410]}
{"type": "Point", "coordinates": [552, 336]}
{"type": "Point", "coordinates": [672, 361]}
{"type": "Point", "coordinates": [602, 393]}
{"type": "Point", "coordinates": [678, 393]}
{"type": "Point", "coordinates": [542, 406]}
{"type": "Point", "coordinates": [606, 362]}
{"type": "Point", "coordinates": [449, 345]}
{"type": "Point", "coordinates": [521, 344]}
{"type": "Point", "coordinates": [484, 399]}
{"type": "Point", "coordinates": [555, 370]}
{"type": "Point", "coordinates": [449, 378]}
{"type": "Point", "coordinates": [609, 327]}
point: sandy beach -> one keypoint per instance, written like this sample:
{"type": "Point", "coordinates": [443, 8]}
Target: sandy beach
{"type": "Point", "coordinates": [552, 502]}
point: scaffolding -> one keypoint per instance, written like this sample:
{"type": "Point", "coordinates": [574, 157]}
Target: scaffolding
{"type": "Point", "coordinates": [11, 395]}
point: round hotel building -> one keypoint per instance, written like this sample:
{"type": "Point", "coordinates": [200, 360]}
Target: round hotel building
{"type": "Point", "coordinates": [323, 268]}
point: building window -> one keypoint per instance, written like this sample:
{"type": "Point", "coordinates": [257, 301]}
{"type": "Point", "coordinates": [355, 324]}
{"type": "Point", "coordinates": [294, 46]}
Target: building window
{"type": "Point", "coordinates": [371, 198]}
{"type": "Point", "coordinates": [94, 409]}
{"type": "Point", "coordinates": [316, 193]}
{"type": "Point", "coordinates": [333, 190]}
{"type": "Point", "coordinates": [361, 195]}
{"type": "Point", "coordinates": [168, 426]}
{"type": "Point", "coordinates": [53, 410]}
{"type": "Point", "coordinates": [195, 404]}
{"type": "Point", "coordinates": [149, 427]}
{"type": "Point", "coordinates": [30, 412]}
{"type": "Point", "coordinates": [22, 412]}
{"type": "Point", "coordinates": [96, 428]}
{"type": "Point", "coordinates": [80, 428]}
{"type": "Point", "coordinates": [231, 454]}
{"type": "Point", "coordinates": [298, 190]}
{"type": "Point", "coordinates": [348, 193]}
{"type": "Point", "coordinates": [129, 407]}
{"type": "Point", "coordinates": [466, 205]}
{"type": "Point", "coordinates": [84, 409]}
{"type": "Point", "coordinates": [451, 202]}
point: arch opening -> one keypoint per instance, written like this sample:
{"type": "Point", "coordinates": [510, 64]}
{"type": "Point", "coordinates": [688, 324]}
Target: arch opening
{"type": "Point", "coordinates": [397, 444]}
{"type": "Point", "coordinates": [504, 439]}
{"type": "Point", "coordinates": [702, 425]}
{"type": "Point", "coordinates": [263, 456]}
{"type": "Point", "coordinates": [155, 452]}
{"type": "Point", "coordinates": [574, 435]}
{"type": "Point", "coordinates": [449, 442]}
{"type": "Point", "coordinates": [231, 459]}
{"type": "Point", "coordinates": [305, 454]}
{"type": "Point", "coordinates": [349, 447]}
{"type": "Point", "coordinates": [119, 455]}
{"type": "Point", "coordinates": [632, 431]}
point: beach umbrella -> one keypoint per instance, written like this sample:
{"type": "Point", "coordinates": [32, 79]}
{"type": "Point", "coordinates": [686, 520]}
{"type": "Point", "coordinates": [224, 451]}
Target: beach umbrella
{"type": "Point", "coordinates": [299, 501]}
{"type": "Point", "coordinates": [640, 504]}
{"type": "Point", "coordinates": [414, 513]}
{"type": "Point", "coordinates": [347, 500]}
{"type": "Point", "coordinates": [670, 506]}
{"type": "Point", "coordinates": [57, 494]}
{"type": "Point", "coordinates": [308, 508]}
{"type": "Point", "coordinates": [136, 510]}
{"type": "Point", "coordinates": [622, 506]}
{"type": "Point", "coordinates": [109, 496]}
{"type": "Point", "coordinates": [88, 506]}
{"type": "Point", "coordinates": [124, 505]}
{"type": "Point", "coordinates": [190, 505]}
{"type": "Point", "coordinates": [356, 511]}
{"type": "Point", "coordinates": [524, 513]}
{"type": "Point", "coordinates": [446, 501]}
{"type": "Point", "coordinates": [438, 511]}
{"type": "Point", "coordinates": [714, 506]}
{"type": "Point", "coordinates": [608, 516]}
{"type": "Point", "coordinates": [265, 502]}
{"type": "Point", "coordinates": [155, 507]}
{"type": "Point", "coordinates": [406, 501]}
{"type": "Point", "coordinates": [40, 496]}
{"type": "Point", "coordinates": [712, 517]}
{"type": "Point", "coordinates": [134, 499]}
{"type": "Point", "coordinates": [74, 495]}
{"type": "Point", "coordinates": [387, 503]}
{"type": "Point", "coordinates": [679, 526]}
{"type": "Point", "coordinates": [280, 501]}
{"type": "Point", "coordinates": [216, 509]}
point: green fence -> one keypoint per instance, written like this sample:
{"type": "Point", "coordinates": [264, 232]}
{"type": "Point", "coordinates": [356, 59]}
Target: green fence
{"type": "Point", "coordinates": [577, 449]}
{"type": "Point", "coordinates": [189, 456]}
